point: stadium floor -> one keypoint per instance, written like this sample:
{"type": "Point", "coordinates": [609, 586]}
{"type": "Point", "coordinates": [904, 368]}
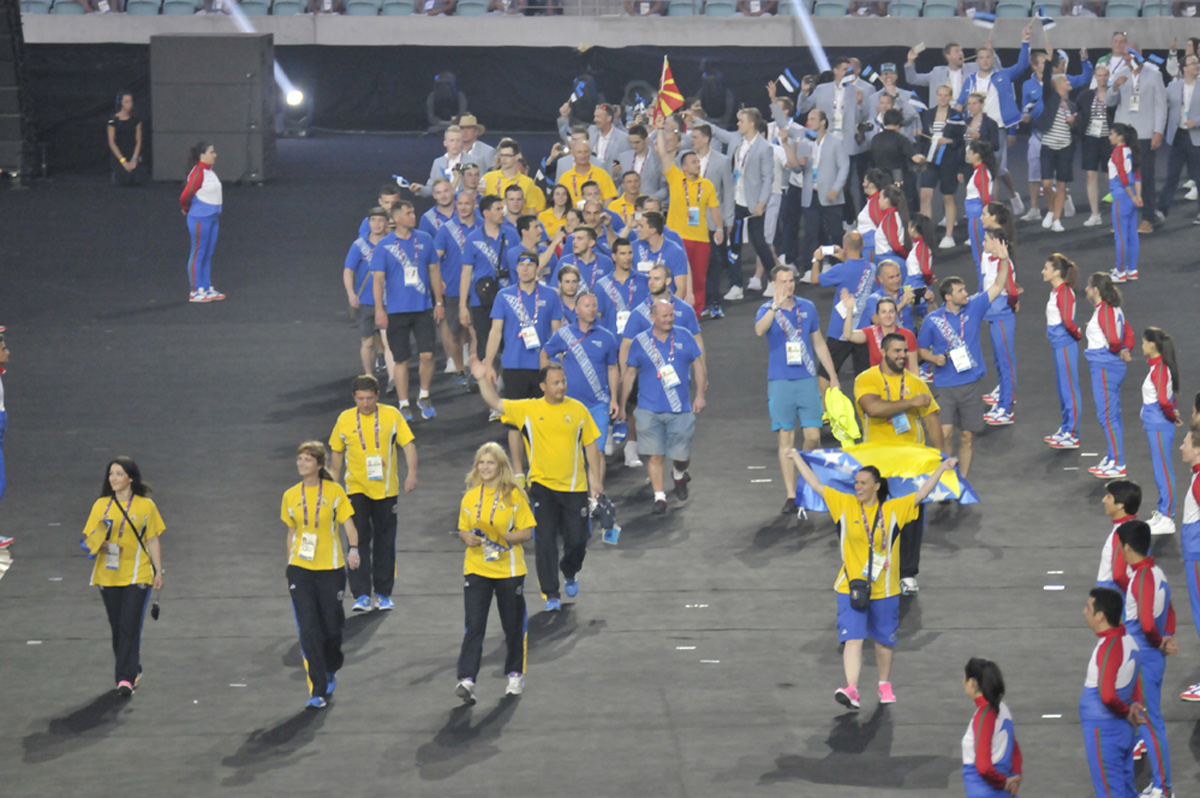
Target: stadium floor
{"type": "Point", "coordinates": [700, 658]}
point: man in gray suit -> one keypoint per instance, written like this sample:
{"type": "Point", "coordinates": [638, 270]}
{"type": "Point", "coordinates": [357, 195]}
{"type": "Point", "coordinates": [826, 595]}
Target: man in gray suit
{"type": "Point", "coordinates": [901, 101]}
{"type": "Point", "coordinates": [1141, 102]}
{"type": "Point", "coordinates": [844, 102]}
{"type": "Point", "coordinates": [715, 167]}
{"type": "Point", "coordinates": [473, 150]}
{"type": "Point", "coordinates": [825, 175]}
{"type": "Point", "coordinates": [1183, 131]}
{"type": "Point", "coordinates": [753, 173]}
{"type": "Point", "coordinates": [954, 72]}
{"type": "Point", "coordinates": [642, 159]}
{"type": "Point", "coordinates": [606, 139]}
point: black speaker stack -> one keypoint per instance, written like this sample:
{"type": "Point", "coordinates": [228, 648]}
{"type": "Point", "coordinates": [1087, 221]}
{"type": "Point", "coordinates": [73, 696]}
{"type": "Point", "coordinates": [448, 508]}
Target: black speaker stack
{"type": "Point", "coordinates": [16, 110]}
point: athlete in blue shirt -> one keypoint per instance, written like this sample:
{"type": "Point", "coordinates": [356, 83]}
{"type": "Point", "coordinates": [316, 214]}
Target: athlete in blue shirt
{"type": "Point", "coordinates": [856, 275]}
{"type": "Point", "coordinates": [407, 273]}
{"type": "Point", "coordinates": [591, 265]}
{"type": "Point", "coordinates": [642, 317]}
{"type": "Point", "coordinates": [451, 242]}
{"type": "Point", "coordinates": [443, 211]}
{"type": "Point", "coordinates": [389, 195]}
{"type": "Point", "coordinates": [652, 248]}
{"type": "Point", "coordinates": [617, 294]}
{"type": "Point", "coordinates": [529, 228]}
{"type": "Point", "coordinates": [483, 255]}
{"type": "Point", "coordinates": [360, 290]}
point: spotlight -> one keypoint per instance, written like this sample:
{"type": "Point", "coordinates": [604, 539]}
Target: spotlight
{"type": "Point", "coordinates": [293, 114]}
{"type": "Point", "coordinates": [294, 97]}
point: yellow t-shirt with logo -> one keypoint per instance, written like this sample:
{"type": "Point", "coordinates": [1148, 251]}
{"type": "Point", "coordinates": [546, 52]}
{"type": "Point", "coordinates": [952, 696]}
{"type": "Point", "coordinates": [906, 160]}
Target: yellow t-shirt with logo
{"type": "Point", "coordinates": [317, 510]}
{"type": "Point", "coordinates": [550, 222]}
{"type": "Point", "coordinates": [106, 523]}
{"type": "Point", "coordinates": [496, 183]}
{"type": "Point", "coordinates": [483, 510]}
{"type": "Point", "coordinates": [575, 182]}
{"type": "Point", "coordinates": [376, 435]}
{"type": "Point", "coordinates": [848, 514]}
{"type": "Point", "coordinates": [684, 194]}
{"type": "Point", "coordinates": [892, 389]}
{"type": "Point", "coordinates": [554, 439]}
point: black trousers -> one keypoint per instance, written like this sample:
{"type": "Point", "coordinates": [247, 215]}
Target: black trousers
{"type": "Point", "coordinates": [1149, 191]}
{"type": "Point", "coordinates": [510, 603]}
{"type": "Point", "coordinates": [481, 320]}
{"type": "Point", "coordinates": [789, 226]}
{"type": "Point", "coordinates": [317, 601]}
{"type": "Point", "coordinates": [1183, 155]}
{"type": "Point", "coordinates": [860, 164]}
{"type": "Point", "coordinates": [559, 513]}
{"type": "Point", "coordinates": [756, 231]}
{"type": "Point", "coordinates": [126, 608]}
{"type": "Point", "coordinates": [375, 520]}
{"type": "Point", "coordinates": [840, 351]}
{"type": "Point", "coordinates": [718, 270]}
{"type": "Point", "coordinates": [911, 535]}
{"type": "Point", "coordinates": [822, 225]}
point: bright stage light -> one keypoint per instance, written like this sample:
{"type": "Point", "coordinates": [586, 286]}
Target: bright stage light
{"type": "Point", "coordinates": [295, 97]}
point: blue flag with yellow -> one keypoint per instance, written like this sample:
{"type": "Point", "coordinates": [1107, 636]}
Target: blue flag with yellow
{"type": "Point", "coordinates": [905, 466]}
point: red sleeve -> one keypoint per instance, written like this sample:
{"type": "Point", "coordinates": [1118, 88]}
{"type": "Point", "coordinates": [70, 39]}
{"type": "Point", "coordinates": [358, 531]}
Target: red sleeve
{"type": "Point", "coordinates": [1120, 567]}
{"type": "Point", "coordinates": [1144, 590]}
{"type": "Point", "coordinates": [194, 181]}
{"type": "Point", "coordinates": [925, 259]}
{"type": "Point", "coordinates": [1118, 159]}
{"type": "Point", "coordinates": [1127, 337]}
{"type": "Point", "coordinates": [1108, 325]}
{"type": "Point", "coordinates": [985, 186]}
{"type": "Point", "coordinates": [1162, 376]}
{"type": "Point", "coordinates": [1016, 759]}
{"type": "Point", "coordinates": [985, 726]}
{"type": "Point", "coordinates": [1066, 309]}
{"type": "Point", "coordinates": [1011, 288]}
{"type": "Point", "coordinates": [1109, 658]}
{"type": "Point", "coordinates": [1171, 620]}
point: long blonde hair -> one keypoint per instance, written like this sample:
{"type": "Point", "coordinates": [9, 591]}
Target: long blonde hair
{"type": "Point", "coordinates": [508, 482]}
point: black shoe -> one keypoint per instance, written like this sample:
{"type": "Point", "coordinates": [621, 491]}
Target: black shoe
{"type": "Point", "coordinates": [789, 507]}
{"type": "Point", "coordinates": [681, 489]}
{"type": "Point", "coordinates": [660, 507]}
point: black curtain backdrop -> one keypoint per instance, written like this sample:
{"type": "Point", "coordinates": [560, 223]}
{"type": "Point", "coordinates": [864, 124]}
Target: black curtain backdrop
{"type": "Point", "coordinates": [384, 88]}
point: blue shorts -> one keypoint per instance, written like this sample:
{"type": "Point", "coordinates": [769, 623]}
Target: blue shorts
{"type": "Point", "coordinates": [789, 399]}
{"type": "Point", "coordinates": [878, 622]}
{"type": "Point", "coordinates": [600, 416]}
{"type": "Point", "coordinates": [667, 434]}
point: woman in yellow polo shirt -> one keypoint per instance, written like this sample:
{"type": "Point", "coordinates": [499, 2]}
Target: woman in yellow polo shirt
{"type": "Point", "coordinates": [555, 216]}
{"type": "Point", "coordinates": [494, 519]}
{"type": "Point", "coordinates": [316, 575]}
{"type": "Point", "coordinates": [122, 532]}
{"type": "Point", "coordinates": [868, 584]}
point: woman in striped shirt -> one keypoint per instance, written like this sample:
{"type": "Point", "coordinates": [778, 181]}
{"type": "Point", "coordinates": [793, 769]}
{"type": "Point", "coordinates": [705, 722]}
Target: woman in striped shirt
{"type": "Point", "coordinates": [1094, 148]}
{"type": "Point", "coordinates": [1056, 124]}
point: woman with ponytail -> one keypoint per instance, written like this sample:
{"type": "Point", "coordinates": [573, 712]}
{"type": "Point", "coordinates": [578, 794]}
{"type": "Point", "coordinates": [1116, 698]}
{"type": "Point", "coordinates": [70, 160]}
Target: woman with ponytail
{"type": "Point", "coordinates": [1109, 348]}
{"type": "Point", "coordinates": [1064, 335]}
{"type": "Point", "coordinates": [316, 569]}
{"type": "Point", "coordinates": [1125, 185]}
{"type": "Point", "coordinates": [201, 202]}
{"type": "Point", "coordinates": [1000, 229]}
{"type": "Point", "coordinates": [991, 755]}
{"type": "Point", "coordinates": [1160, 417]}
{"type": "Point", "coordinates": [891, 232]}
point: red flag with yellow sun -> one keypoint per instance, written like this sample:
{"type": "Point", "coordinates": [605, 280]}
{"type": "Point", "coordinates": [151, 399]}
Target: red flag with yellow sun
{"type": "Point", "coordinates": [669, 98]}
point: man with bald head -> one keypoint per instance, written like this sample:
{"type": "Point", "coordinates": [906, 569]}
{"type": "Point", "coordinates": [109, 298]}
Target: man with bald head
{"type": "Point", "coordinates": [584, 171]}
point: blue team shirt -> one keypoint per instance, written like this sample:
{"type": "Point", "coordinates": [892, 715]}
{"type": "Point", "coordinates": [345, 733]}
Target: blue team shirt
{"type": "Point", "coordinates": [904, 319]}
{"type": "Point", "coordinates": [858, 277]}
{"type": "Point", "coordinates": [432, 221]}
{"type": "Point", "coordinates": [670, 254]}
{"type": "Point", "coordinates": [585, 358]}
{"type": "Point", "coordinates": [648, 355]}
{"type": "Point", "coordinates": [589, 273]}
{"type": "Point", "coordinates": [796, 325]}
{"type": "Point", "coordinates": [963, 328]}
{"type": "Point", "coordinates": [613, 296]}
{"type": "Point", "coordinates": [482, 253]}
{"type": "Point", "coordinates": [449, 241]}
{"type": "Point", "coordinates": [358, 260]}
{"type": "Point", "coordinates": [518, 309]}
{"type": "Point", "coordinates": [404, 291]}
{"type": "Point", "coordinates": [639, 319]}
{"type": "Point", "coordinates": [510, 263]}
{"type": "Point", "coordinates": [668, 234]}
{"type": "Point", "coordinates": [602, 247]}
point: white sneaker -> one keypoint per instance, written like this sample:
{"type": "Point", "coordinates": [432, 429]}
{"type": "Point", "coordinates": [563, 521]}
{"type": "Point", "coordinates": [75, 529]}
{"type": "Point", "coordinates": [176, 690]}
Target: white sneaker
{"type": "Point", "coordinates": [516, 684]}
{"type": "Point", "coordinates": [998, 417]}
{"type": "Point", "coordinates": [1093, 221]}
{"type": "Point", "coordinates": [755, 284]}
{"type": "Point", "coordinates": [993, 397]}
{"type": "Point", "coordinates": [451, 366]}
{"type": "Point", "coordinates": [908, 586]}
{"type": "Point", "coordinates": [734, 294]}
{"type": "Point", "coordinates": [1049, 220]}
{"type": "Point", "coordinates": [199, 296]}
{"type": "Point", "coordinates": [1101, 466]}
{"type": "Point", "coordinates": [770, 291]}
{"type": "Point", "coordinates": [1068, 207]}
{"type": "Point", "coordinates": [947, 242]}
{"type": "Point", "coordinates": [1034, 215]}
{"type": "Point", "coordinates": [466, 691]}
{"type": "Point", "coordinates": [1057, 227]}
{"type": "Point", "coordinates": [942, 223]}
{"type": "Point", "coordinates": [1152, 792]}
{"type": "Point", "coordinates": [1161, 524]}
{"type": "Point", "coordinates": [1192, 194]}
{"type": "Point", "coordinates": [1017, 205]}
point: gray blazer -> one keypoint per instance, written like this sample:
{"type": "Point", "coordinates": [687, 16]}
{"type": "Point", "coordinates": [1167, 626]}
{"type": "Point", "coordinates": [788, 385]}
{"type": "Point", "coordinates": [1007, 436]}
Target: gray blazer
{"type": "Point", "coordinates": [438, 170]}
{"type": "Point", "coordinates": [1175, 105]}
{"type": "Point", "coordinates": [912, 119]}
{"type": "Point", "coordinates": [720, 174]}
{"type": "Point", "coordinates": [482, 155]}
{"type": "Point", "coordinates": [934, 78]}
{"type": "Point", "coordinates": [1151, 116]}
{"type": "Point", "coordinates": [832, 172]}
{"type": "Point", "coordinates": [721, 137]}
{"type": "Point", "coordinates": [652, 173]}
{"type": "Point", "coordinates": [853, 115]}
{"type": "Point", "coordinates": [759, 172]}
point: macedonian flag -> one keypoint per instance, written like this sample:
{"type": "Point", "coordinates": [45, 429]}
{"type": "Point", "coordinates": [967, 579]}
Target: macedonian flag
{"type": "Point", "coordinates": [669, 98]}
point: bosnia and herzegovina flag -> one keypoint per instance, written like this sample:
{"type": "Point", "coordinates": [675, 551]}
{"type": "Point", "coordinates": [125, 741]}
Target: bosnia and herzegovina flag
{"type": "Point", "coordinates": [906, 467]}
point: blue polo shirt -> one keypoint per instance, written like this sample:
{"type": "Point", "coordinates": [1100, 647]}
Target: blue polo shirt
{"type": "Point", "coordinates": [482, 253]}
{"type": "Point", "coordinates": [589, 273]}
{"type": "Point", "coordinates": [613, 296]}
{"type": "Point", "coordinates": [358, 260]}
{"type": "Point", "coordinates": [648, 355]}
{"type": "Point", "coordinates": [858, 277]}
{"type": "Point", "coordinates": [963, 327]}
{"type": "Point", "coordinates": [405, 265]}
{"type": "Point", "coordinates": [518, 310]}
{"type": "Point", "coordinates": [796, 325]}
{"type": "Point", "coordinates": [905, 319]}
{"type": "Point", "coordinates": [670, 254]}
{"type": "Point", "coordinates": [639, 319]}
{"type": "Point", "coordinates": [450, 241]}
{"type": "Point", "coordinates": [668, 234]}
{"type": "Point", "coordinates": [585, 358]}
{"type": "Point", "coordinates": [510, 263]}
{"type": "Point", "coordinates": [433, 219]}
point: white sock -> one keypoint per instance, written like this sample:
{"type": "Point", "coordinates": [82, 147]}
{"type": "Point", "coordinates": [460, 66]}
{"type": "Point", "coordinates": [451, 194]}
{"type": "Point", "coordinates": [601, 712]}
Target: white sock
{"type": "Point", "coordinates": [404, 403]}
{"type": "Point", "coordinates": [424, 394]}
{"type": "Point", "coordinates": [660, 496]}
{"type": "Point", "coordinates": [675, 472]}
{"type": "Point", "coordinates": [631, 452]}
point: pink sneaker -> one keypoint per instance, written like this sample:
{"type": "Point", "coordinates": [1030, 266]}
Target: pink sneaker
{"type": "Point", "coordinates": [847, 697]}
{"type": "Point", "coordinates": [886, 696]}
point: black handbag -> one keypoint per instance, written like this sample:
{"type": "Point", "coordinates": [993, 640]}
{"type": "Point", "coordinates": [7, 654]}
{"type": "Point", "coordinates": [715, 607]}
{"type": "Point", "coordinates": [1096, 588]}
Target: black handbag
{"type": "Point", "coordinates": [488, 286]}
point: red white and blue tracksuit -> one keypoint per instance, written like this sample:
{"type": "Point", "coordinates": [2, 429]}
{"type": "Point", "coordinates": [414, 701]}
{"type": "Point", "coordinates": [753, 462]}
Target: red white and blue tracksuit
{"type": "Point", "coordinates": [979, 194]}
{"type": "Point", "coordinates": [1064, 335]}
{"type": "Point", "coordinates": [889, 239]}
{"type": "Point", "coordinates": [868, 217]}
{"type": "Point", "coordinates": [1189, 542]}
{"type": "Point", "coordinates": [990, 751]}
{"type": "Point", "coordinates": [1158, 418]}
{"type": "Point", "coordinates": [918, 275]}
{"type": "Point", "coordinates": [1002, 326]}
{"type": "Point", "coordinates": [1112, 683]}
{"type": "Point", "coordinates": [1107, 334]}
{"type": "Point", "coordinates": [3, 428]}
{"type": "Point", "coordinates": [1149, 617]}
{"type": "Point", "coordinates": [1124, 213]}
{"type": "Point", "coordinates": [1114, 571]}
{"type": "Point", "coordinates": [201, 201]}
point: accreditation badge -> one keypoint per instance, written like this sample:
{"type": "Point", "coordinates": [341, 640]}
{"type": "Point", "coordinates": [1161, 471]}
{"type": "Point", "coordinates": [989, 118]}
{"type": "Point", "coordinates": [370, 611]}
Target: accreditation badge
{"type": "Point", "coordinates": [112, 556]}
{"type": "Point", "coordinates": [308, 546]}
{"type": "Point", "coordinates": [668, 376]}
{"type": "Point", "coordinates": [375, 467]}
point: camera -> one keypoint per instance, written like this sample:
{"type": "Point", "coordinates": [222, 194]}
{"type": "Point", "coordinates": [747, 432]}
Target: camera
{"type": "Point", "coordinates": [461, 167]}
{"type": "Point", "coordinates": [865, 127]}
{"type": "Point", "coordinates": [501, 273]}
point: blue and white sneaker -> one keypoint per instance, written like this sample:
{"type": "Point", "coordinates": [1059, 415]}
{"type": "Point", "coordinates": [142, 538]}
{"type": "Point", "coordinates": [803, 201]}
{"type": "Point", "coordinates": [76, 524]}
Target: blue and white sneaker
{"type": "Point", "coordinates": [362, 604]}
{"type": "Point", "coordinates": [717, 313]}
{"type": "Point", "coordinates": [571, 586]}
{"type": "Point", "coordinates": [620, 431]}
{"type": "Point", "coordinates": [553, 604]}
{"type": "Point", "coordinates": [406, 411]}
{"type": "Point", "coordinates": [384, 603]}
{"type": "Point", "coordinates": [1052, 438]}
{"type": "Point", "coordinates": [426, 407]}
{"type": "Point", "coordinates": [330, 683]}
{"type": "Point", "coordinates": [998, 417]}
{"type": "Point", "coordinates": [316, 702]}
{"type": "Point", "coordinates": [1065, 441]}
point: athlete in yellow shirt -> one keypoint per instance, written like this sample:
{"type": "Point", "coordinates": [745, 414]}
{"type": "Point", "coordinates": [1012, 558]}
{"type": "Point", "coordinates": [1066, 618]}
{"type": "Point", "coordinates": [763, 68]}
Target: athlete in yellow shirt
{"type": "Point", "coordinates": [584, 171]}
{"type": "Point", "coordinates": [555, 216]}
{"type": "Point", "coordinates": [496, 181]}
{"type": "Point", "coordinates": [122, 532]}
{"type": "Point", "coordinates": [366, 438]}
{"type": "Point", "coordinates": [312, 509]}
{"type": "Point", "coordinates": [494, 519]}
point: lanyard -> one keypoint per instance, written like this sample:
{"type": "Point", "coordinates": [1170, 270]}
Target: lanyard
{"type": "Point", "coordinates": [595, 272]}
{"type": "Point", "coordinates": [575, 182]}
{"type": "Point", "coordinates": [479, 509]}
{"type": "Point", "coordinates": [656, 356]}
{"type": "Point", "coordinates": [783, 321]}
{"type": "Point", "coordinates": [871, 529]}
{"type": "Point", "coordinates": [128, 511]}
{"type": "Point", "coordinates": [358, 422]}
{"type": "Point", "coordinates": [886, 387]}
{"type": "Point", "coordinates": [522, 319]}
{"type": "Point", "coordinates": [687, 196]}
{"type": "Point", "coordinates": [304, 500]}
{"type": "Point", "coordinates": [579, 342]}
